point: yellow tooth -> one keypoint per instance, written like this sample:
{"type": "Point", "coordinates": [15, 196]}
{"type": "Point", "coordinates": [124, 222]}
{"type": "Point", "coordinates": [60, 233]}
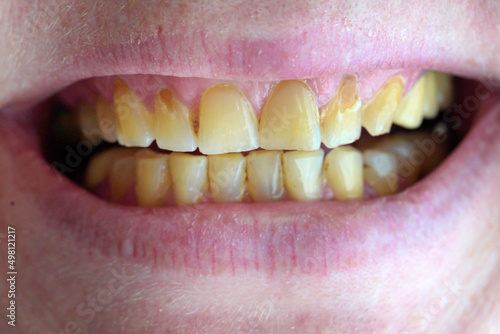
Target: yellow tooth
{"type": "Point", "coordinates": [107, 119]}
{"type": "Point", "coordinates": [410, 111]}
{"type": "Point", "coordinates": [381, 171]}
{"type": "Point", "coordinates": [227, 176]}
{"type": "Point", "coordinates": [100, 165]}
{"type": "Point", "coordinates": [290, 118]}
{"type": "Point", "coordinates": [227, 121]}
{"type": "Point", "coordinates": [265, 175]}
{"type": "Point", "coordinates": [122, 175]}
{"type": "Point", "coordinates": [341, 123]}
{"type": "Point", "coordinates": [174, 125]}
{"type": "Point", "coordinates": [431, 105]}
{"type": "Point", "coordinates": [343, 168]}
{"type": "Point", "coordinates": [135, 122]}
{"type": "Point", "coordinates": [189, 177]}
{"type": "Point", "coordinates": [409, 165]}
{"type": "Point", "coordinates": [152, 178]}
{"type": "Point", "coordinates": [87, 120]}
{"type": "Point", "coordinates": [444, 84]}
{"type": "Point", "coordinates": [302, 174]}
{"type": "Point", "coordinates": [379, 112]}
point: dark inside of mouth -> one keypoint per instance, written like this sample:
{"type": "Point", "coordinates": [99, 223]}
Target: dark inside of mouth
{"type": "Point", "coordinates": [64, 150]}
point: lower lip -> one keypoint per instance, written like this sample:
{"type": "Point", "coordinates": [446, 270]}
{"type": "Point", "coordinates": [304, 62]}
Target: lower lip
{"type": "Point", "coordinates": [294, 237]}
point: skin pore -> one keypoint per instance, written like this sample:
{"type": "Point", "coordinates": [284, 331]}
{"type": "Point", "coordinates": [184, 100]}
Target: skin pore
{"type": "Point", "coordinates": [423, 261]}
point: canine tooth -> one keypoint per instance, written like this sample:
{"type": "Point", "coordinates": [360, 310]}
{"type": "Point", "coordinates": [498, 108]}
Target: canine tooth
{"type": "Point", "coordinates": [410, 111]}
{"type": "Point", "coordinates": [107, 119]}
{"type": "Point", "coordinates": [135, 122]}
{"type": "Point", "coordinates": [227, 175]}
{"type": "Point", "coordinates": [341, 123]}
{"type": "Point", "coordinates": [100, 165]}
{"type": "Point", "coordinates": [380, 171]}
{"type": "Point", "coordinates": [121, 177]}
{"type": "Point", "coordinates": [302, 174]}
{"type": "Point", "coordinates": [379, 112]}
{"type": "Point", "coordinates": [227, 121]}
{"type": "Point", "coordinates": [444, 84]}
{"type": "Point", "coordinates": [290, 118]}
{"type": "Point", "coordinates": [265, 175]}
{"type": "Point", "coordinates": [189, 177]}
{"type": "Point", "coordinates": [343, 169]}
{"type": "Point", "coordinates": [431, 105]}
{"type": "Point", "coordinates": [152, 178]}
{"type": "Point", "coordinates": [174, 126]}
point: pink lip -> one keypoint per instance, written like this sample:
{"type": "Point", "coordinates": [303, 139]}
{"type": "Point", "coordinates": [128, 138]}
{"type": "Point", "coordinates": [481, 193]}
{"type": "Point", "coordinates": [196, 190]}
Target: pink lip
{"type": "Point", "coordinates": [303, 238]}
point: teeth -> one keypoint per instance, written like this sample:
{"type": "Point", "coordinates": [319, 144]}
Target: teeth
{"type": "Point", "coordinates": [344, 172]}
{"type": "Point", "coordinates": [431, 105]}
{"type": "Point", "coordinates": [410, 111]}
{"type": "Point", "coordinates": [100, 165]}
{"type": "Point", "coordinates": [152, 178]}
{"type": "Point", "coordinates": [227, 176]}
{"type": "Point", "coordinates": [87, 120]}
{"type": "Point", "coordinates": [290, 118]}
{"type": "Point", "coordinates": [189, 177]}
{"type": "Point", "coordinates": [409, 165]}
{"type": "Point", "coordinates": [341, 123]}
{"type": "Point", "coordinates": [135, 122]}
{"type": "Point", "coordinates": [381, 171]}
{"type": "Point", "coordinates": [265, 175]}
{"type": "Point", "coordinates": [106, 119]}
{"type": "Point", "coordinates": [379, 112]}
{"type": "Point", "coordinates": [174, 127]}
{"type": "Point", "coordinates": [121, 177]}
{"type": "Point", "coordinates": [302, 174]}
{"type": "Point", "coordinates": [227, 121]}
{"type": "Point", "coordinates": [444, 83]}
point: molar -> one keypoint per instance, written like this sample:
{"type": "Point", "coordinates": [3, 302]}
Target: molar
{"type": "Point", "coordinates": [107, 120]}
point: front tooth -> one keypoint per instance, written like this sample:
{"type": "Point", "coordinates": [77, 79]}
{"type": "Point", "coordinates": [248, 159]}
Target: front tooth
{"type": "Point", "coordinates": [381, 171]}
{"type": "Point", "coordinates": [265, 175]}
{"type": "Point", "coordinates": [379, 112]}
{"type": "Point", "coordinates": [100, 165]}
{"type": "Point", "coordinates": [152, 178]}
{"type": "Point", "coordinates": [227, 121]}
{"type": "Point", "coordinates": [444, 84]}
{"type": "Point", "coordinates": [227, 175]}
{"type": "Point", "coordinates": [410, 111]}
{"type": "Point", "coordinates": [189, 177]}
{"type": "Point", "coordinates": [344, 172]}
{"type": "Point", "coordinates": [107, 119]}
{"type": "Point", "coordinates": [341, 123]}
{"type": "Point", "coordinates": [302, 174]}
{"type": "Point", "coordinates": [431, 104]}
{"type": "Point", "coordinates": [174, 126]}
{"type": "Point", "coordinates": [290, 118]}
{"type": "Point", "coordinates": [122, 175]}
{"type": "Point", "coordinates": [135, 122]}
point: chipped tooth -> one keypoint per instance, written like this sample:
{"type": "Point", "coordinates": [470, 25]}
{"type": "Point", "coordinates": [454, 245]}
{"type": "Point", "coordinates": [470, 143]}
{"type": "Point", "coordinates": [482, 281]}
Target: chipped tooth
{"type": "Point", "coordinates": [174, 125]}
{"type": "Point", "coordinates": [302, 174]}
{"type": "Point", "coordinates": [227, 176]}
{"type": "Point", "coordinates": [444, 84]}
{"type": "Point", "coordinates": [265, 175]}
{"type": "Point", "coordinates": [122, 176]}
{"type": "Point", "coordinates": [87, 120]}
{"type": "Point", "coordinates": [135, 122]}
{"type": "Point", "coordinates": [107, 120]}
{"type": "Point", "coordinates": [152, 178]}
{"type": "Point", "coordinates": [100, 165]}
{"type": "Point", "coordinates": [189, 177]}
{"type": "Point", "coordinates": [343, 168]}
{"type": "Point", "coordinates": [379, 112]}
{"type": "Point", "coordinates": [290, 118]}
{"type": "Point", "coordinates": [431, 105]}
{"type": "Point", "coordinates": [227, 122]}
{"type": "Point", "coordinates": [380, 171]}
{"type": "Point", "coordinates": [410, 111]}
{"type": "Point", "coordinates": [341, 118]}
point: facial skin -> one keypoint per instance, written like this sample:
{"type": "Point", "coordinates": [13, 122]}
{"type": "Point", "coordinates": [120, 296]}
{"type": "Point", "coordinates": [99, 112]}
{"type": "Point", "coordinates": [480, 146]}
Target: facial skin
{"type": "Point", "coordinates": [425, 261]}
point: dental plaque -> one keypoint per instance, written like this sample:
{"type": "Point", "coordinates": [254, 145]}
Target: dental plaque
{"type": "Point", "coordinates": [158, 142]}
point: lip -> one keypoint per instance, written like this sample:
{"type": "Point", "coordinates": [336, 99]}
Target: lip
{"type": "Point", "coordinates": [303, 238]}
